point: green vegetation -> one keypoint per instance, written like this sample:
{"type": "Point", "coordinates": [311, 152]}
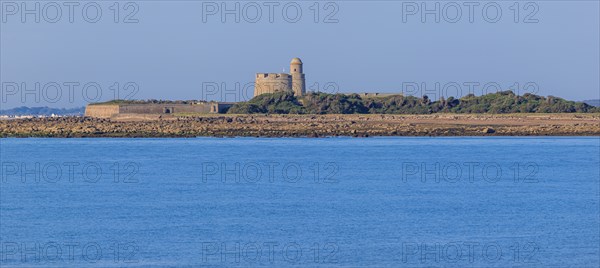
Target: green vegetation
{"type": "Point", "coordinates": [277, 103]}
{"type": "Point", "coordinates": [323, 103]}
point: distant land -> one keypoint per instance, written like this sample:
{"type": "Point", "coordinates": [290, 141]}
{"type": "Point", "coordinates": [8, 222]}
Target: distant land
{"type": "Point", "coordinates": [593, 102]}
{"type": "Point", "coordinates": [270, 99]}
{"type": "Point", "coordinates": [43, 111]}
{"type": "Point", "coordinates": [282, 114]}
{"type": "Point", "coordinates": [285, 102]}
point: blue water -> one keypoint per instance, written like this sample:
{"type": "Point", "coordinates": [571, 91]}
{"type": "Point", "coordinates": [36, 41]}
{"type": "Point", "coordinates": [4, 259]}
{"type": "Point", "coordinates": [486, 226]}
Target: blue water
{"type": "Point", "coordinates": [247, 202]}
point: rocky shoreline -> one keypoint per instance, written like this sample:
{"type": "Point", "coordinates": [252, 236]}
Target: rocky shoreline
{"type": "Point", "coordinates": [353, 125]}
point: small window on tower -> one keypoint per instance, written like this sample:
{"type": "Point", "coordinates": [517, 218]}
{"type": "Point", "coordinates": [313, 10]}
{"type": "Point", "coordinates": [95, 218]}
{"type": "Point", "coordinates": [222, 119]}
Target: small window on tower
{"type": "Point", "coordinates": [294, 70]}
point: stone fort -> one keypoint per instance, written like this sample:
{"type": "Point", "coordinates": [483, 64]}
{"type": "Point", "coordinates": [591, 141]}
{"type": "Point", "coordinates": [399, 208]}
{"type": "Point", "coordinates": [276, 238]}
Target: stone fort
{"type": "Point", "coordinates": [264, 83]}
{"type": "Point", "coordinates": [282, 82]}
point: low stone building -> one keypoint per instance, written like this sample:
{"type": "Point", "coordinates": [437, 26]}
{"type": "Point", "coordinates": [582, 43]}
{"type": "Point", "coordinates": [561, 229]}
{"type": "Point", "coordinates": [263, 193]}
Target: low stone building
{"type": "Point", "coordinates": [108, 110]}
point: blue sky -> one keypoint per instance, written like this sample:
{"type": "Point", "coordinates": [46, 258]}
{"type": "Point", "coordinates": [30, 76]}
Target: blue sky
{"type": "Point", "coordinates": [182, 49]}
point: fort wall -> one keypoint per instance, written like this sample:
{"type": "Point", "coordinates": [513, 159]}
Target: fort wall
{"type": "Point", "coordinates": [166, 108]}
{"type": "Point", "coordinates": [271, 83]}
{"type": "Point", "coordinates": [112, 110]}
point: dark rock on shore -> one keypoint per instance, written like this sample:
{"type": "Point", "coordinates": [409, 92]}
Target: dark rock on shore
{"type": "Point", "coordinates": [353, 125]}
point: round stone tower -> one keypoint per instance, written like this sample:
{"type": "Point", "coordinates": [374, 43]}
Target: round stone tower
{"type": "Point", "coordinates": [298, 84]}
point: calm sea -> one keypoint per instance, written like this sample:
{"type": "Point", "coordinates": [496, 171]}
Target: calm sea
{"type": "Point", "coordinates": [348, 202]}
